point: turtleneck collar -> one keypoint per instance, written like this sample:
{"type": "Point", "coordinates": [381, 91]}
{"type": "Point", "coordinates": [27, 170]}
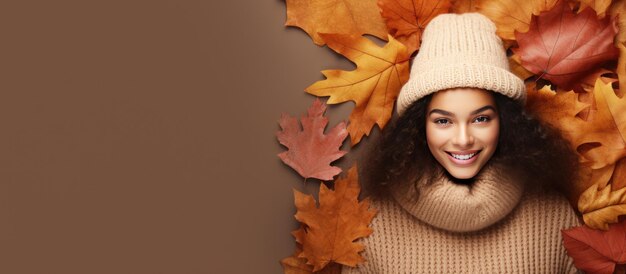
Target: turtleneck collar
{"type": "Point", "coordinates": [463, 208]}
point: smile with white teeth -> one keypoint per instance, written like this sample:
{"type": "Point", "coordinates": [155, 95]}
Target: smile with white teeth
{"type": "Point", "coordinates": [463, 157]}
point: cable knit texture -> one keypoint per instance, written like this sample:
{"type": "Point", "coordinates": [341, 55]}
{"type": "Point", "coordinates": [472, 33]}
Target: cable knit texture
{"type": "Point", "coordinates": [516, 231]}
{"type": "Point", "coordinates": [460, 50]}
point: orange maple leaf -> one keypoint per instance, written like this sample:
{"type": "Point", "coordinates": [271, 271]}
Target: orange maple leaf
{"type": "Point", "coordinates": [513, 15]}
{"type": "Point", "coordinates": [605, 127]}
{"type": "Point", "coordinates": [562, 46]}
{"type": "Point", "coordinates": [595, 129]}
{"type": "Point", "coordinates": [618, 10]}
{"type": "Point", "coordinates": [354, 17]}
{"type": "Point", "coordinates": [373, 86]}
{"type": "Point", "coordinates": [295, 265]}
{"type": "Point", "coordinates": [463, 6]}
{"type": "Point", "coordinates": [406, 19]}
{"type": "Point", "coordinates": [596, 251]}
{"type": "Point", "coordinates": [310, 151]}
{"type": "Point", "coordinates": [599, 6]}
{"type": "Point", "coordinates": [330, 231]}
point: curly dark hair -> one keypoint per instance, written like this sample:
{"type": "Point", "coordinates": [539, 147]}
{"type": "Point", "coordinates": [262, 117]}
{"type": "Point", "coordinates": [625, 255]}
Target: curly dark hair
{"type": "Point", "coordinates": [533, 151]}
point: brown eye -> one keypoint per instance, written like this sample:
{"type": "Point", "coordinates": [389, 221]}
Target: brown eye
{"type": "Point", "coordinates": [482, 119]}
{"type": "Point", "coordinates": [442, 122]}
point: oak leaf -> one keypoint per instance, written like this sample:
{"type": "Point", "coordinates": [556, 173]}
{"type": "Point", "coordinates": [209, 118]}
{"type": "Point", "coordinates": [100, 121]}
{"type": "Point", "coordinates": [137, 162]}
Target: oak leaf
{"type": "Point", "coordinates": [354, 17]}
{"type": "Point", "coordinates": [602, 207]}
{"type": "Point", "coordinates": [406, 19]}
{"type": "Point", "coordinates": [562, 46]}
{"type": "Point", "coordinates": [310, 150]}
{"type": "Point", "coordinates": [513, 15]}
{"type": "Point", "coordinates": [596, 251]}
{"type": "Point", "coordinates": [331, 229]}
{"type": "Point", "coordinates": [373, 86]}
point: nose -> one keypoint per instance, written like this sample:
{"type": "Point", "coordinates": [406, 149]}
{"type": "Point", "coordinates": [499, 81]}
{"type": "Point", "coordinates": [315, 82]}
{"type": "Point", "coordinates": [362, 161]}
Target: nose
{"type": "Point", "coordinates": [463, 137]}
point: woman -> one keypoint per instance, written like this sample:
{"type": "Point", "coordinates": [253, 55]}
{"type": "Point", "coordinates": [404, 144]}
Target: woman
{"type": "Point", "coordinates": [464, 180]}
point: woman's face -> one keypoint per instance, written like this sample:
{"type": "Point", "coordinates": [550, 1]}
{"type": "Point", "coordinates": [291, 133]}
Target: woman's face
{"type": "Point", "coordinates": [462, 127]}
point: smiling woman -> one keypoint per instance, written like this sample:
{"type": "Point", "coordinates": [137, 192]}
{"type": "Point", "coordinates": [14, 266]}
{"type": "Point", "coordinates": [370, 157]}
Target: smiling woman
{"type": "Point", "coordinates": [464, 180]}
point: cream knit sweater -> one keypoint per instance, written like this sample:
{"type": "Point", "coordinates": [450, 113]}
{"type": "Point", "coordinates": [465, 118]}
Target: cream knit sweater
{"type": "Point", "coordinates": [491, 226]}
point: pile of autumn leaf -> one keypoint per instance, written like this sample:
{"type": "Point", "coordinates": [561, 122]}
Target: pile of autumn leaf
{"type": "Point", "coordinates": [571, 54]}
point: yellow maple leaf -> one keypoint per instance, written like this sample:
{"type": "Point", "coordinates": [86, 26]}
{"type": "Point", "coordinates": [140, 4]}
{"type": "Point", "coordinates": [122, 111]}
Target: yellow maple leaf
{"type": "Point", "coordinates": [601, 208]}
{"type": "Point", "coordinates": [355, 17]}
{"type": "Point", "coordinates": [373, 86]}
{"type": "Point", "coordinates": [513, 15]}
{"type": "Point", "coordinates": [330, 230]}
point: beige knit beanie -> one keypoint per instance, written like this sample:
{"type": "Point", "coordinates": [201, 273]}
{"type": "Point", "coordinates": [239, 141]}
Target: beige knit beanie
{"type": "Point", "coordinates": [460, 50]}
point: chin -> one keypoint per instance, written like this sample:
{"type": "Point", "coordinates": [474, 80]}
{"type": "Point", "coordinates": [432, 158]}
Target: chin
{"type": "Point", "coordinates": [462, 174]}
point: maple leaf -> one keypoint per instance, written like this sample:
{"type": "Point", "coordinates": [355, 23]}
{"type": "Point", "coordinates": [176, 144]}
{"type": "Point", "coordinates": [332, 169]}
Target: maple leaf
{"type": "Point", "coordinates": [354, 17]}
{"type": "Point", "coordinates": [618, 10]}
{"type": "Point", "coordinates": [601, 208]}
{"type": "Point", "coordinates": [373, 86]}
{"type": "Point", "coordinates": [406, 19]}
{"type": "Point", "coordinates": [296, 265]}
{"type": "Point", "coordinates": [605, 126]}
{"type": "Point", "coordinates": [463, 6]}
{"type": "Point", "coordinates": [562, 46]}
{"type": "Point", "coordinates": [513, 15]}
{"type": "Point", "coordinates": [515, 63]}
{"type": "Point", "coordinates": [330, 230]}
{"type": "Point", "coordinates": [310, 151]}
{"type": "Point", "coordinates": [596, 251]}
{"type": "Point", "coordinates": [600, 6]}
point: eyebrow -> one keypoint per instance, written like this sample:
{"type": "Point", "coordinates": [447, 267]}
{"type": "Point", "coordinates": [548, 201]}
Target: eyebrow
{"type": "Point", "coordinates": [443, 112]}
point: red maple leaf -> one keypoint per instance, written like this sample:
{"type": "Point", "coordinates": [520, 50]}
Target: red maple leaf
{"type": "Point", "coordinates": [596, 251]}
{"type": "Point", "coordinates": [310, 151]}
{"type": "Point", "coordinates": [563, 46]}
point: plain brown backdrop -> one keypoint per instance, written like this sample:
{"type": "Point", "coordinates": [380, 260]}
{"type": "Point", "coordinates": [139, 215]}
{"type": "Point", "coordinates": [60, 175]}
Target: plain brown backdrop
{"type": "Point", "coordinates": [138, 136]}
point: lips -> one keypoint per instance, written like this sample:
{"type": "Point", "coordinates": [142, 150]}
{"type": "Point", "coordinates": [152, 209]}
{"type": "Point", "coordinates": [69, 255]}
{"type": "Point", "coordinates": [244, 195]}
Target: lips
{"type": "Point", "coordinates": [463, 157]}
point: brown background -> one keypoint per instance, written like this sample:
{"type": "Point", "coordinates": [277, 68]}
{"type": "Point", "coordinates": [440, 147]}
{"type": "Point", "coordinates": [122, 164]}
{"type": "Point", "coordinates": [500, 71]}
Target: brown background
{"type": "Point", "coordinates": [138, 136]}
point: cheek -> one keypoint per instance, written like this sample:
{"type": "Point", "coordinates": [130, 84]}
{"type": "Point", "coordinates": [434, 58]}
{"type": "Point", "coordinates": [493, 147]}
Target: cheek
{"type": "Point", "coordinates": [435, 137]}
{"type": "Point", "coordinates": [490, 137]}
